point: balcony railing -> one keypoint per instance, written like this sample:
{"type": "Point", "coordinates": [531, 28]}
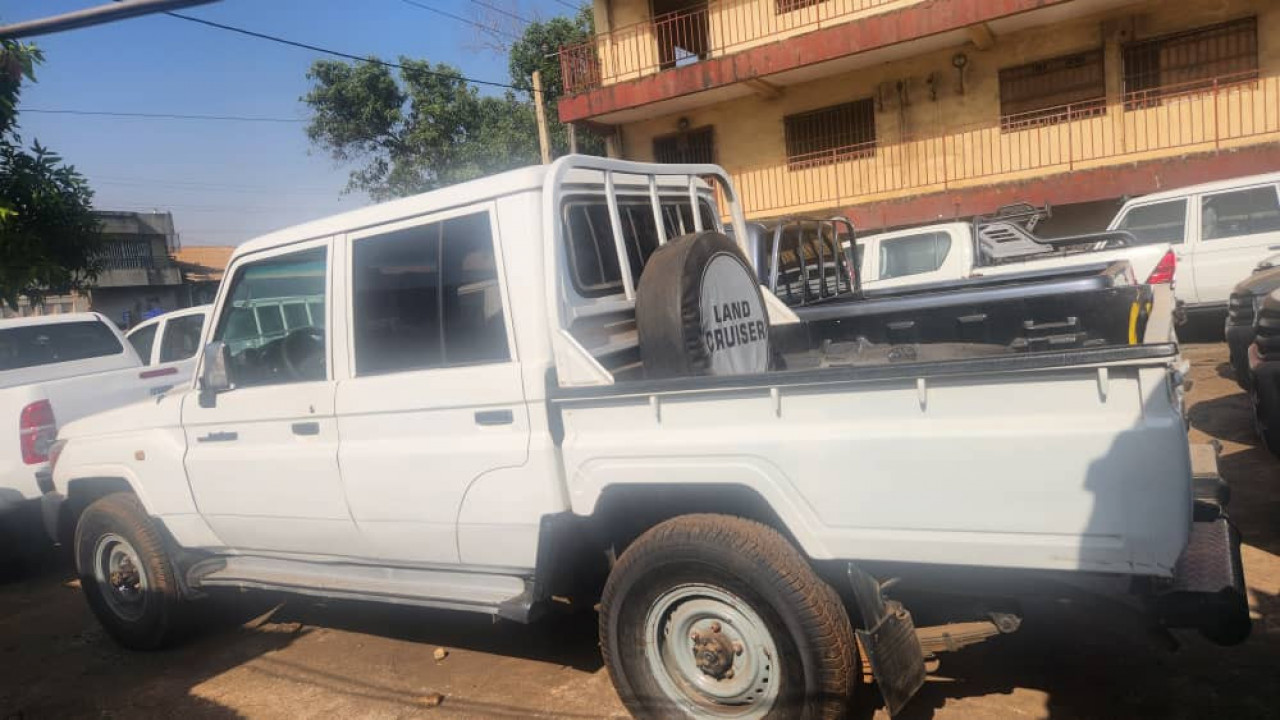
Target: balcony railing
{"type": "Point", "coordinates": [711, 29]}
{"type": "Point", "coordinates": [1195, 117]}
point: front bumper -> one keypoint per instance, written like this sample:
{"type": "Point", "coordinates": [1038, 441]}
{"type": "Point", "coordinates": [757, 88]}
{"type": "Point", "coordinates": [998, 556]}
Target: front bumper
{"type": "Point", "coordinates": [1208, 590]}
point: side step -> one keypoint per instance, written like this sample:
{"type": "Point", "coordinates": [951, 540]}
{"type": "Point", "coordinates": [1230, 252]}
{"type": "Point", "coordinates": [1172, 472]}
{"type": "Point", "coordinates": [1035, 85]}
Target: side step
{"type": "Point", "coordinates": [489, 593]}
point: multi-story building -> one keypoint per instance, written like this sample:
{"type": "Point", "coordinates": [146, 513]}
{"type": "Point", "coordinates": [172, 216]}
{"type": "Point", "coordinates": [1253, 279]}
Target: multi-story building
{"type": "Point", "coordinates": [138, 273]}
{"type": "Point", "coordinates": [906, 111]}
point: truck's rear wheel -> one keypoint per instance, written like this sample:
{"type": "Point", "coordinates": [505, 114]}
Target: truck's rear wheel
{"type": "Point", "coordinates": [711, 616]}
{"type": "Point", "coordinates": [125, 573]}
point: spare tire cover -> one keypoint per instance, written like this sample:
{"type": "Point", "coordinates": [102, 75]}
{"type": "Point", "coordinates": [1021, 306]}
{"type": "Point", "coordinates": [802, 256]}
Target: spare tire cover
{"type": "Point", "coordinates": [699, 310]}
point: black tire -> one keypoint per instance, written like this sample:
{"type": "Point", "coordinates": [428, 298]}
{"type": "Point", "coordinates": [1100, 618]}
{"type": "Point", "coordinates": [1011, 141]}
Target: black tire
{"type": "Point", "coordinates": [670, 318]}
{"type": "Point", "coordinates": [816, 667]}
{"type": "Point", "coordinates": [156, 618]}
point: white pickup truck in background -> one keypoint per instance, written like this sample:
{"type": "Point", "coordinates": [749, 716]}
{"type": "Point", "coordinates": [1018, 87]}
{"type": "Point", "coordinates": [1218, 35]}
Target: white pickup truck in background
{"type": "Point", "coordinates": [562, 384]}
{"type": "Point", "coordinates": [1002, 244]}
{"type": "Point", "coordinates": [55, 369]}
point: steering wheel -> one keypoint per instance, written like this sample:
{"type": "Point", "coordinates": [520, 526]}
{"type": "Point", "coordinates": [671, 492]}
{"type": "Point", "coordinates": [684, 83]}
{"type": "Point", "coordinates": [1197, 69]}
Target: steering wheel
{"type": "Point", "coordinates": [303, 353]}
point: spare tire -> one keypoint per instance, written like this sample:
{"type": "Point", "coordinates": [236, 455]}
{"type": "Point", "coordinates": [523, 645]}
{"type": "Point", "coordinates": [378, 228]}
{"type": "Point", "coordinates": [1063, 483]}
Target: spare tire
{"type": "Point", "coordinates": [699, 310]}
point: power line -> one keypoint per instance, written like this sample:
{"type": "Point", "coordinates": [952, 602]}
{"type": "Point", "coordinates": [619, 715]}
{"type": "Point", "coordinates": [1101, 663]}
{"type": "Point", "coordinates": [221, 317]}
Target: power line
{"type": "Point", "coordinates": [459, 18]}
{"type": "Point", "coordinates": [569, 5]}
{"type": "Point", "coordinates": [162, 116]}
{"type": "Point", "coordinates": [335, 53]}
{"type": "Point", "coordinates": [500, 11]}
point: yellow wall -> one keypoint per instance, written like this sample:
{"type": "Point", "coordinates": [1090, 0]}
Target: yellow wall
{"type": "Point", "coordinates": [956, 141]}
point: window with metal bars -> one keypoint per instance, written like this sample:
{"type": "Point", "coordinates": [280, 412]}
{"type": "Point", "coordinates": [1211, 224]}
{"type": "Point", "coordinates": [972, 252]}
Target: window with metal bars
{"type": "Point", "coordinates": [786, 6]}
{"type": "Point", "coordinates": [831, 134]}
{"type": "Point", "coordinates": [692, 146]}
{"type": "Point", "coordinates": [1189, 62]}
{"type": "Point", "coordinates": [1050, 91]}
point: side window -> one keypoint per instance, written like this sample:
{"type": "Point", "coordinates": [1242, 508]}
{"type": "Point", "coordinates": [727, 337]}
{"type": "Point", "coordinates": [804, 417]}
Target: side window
{"type": "Point", "coordinates": [1163, 222]}
{"type": "Point", "coordinates": [913, 254]}
{"type": "Point", "coordinates": [428, 297]}
{"type": "Point", "coordinates": [181, 338]}
{"type": "Point", "coordinates": [1238, 213]}
{"type": "Point", "coordinates": [141, 340]}
{"type": "Point", "coordinates": [252, 325]}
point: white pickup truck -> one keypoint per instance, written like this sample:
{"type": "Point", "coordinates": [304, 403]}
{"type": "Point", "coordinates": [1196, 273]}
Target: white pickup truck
{"type": "Point", "coordinates": [936, 255]}
{"type": "Point", "coordinates": [55, 369]}
{"type": "Point", "coordinates": [559, 384]}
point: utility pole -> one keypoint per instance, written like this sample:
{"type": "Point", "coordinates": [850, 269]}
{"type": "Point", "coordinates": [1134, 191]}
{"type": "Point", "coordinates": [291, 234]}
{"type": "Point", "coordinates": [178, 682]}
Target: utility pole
{"type": "Point", "coordinates": [120, 10]}
{"type": "Point", "coordinates": [544, 141]}
{"type": "Point", "coordinates": [573, 138]}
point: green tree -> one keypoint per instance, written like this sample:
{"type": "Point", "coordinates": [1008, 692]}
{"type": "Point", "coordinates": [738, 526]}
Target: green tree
{"type": "Point", "coordinates": [535, 50]}
{"type": "Point", "coordinates": [424, 126]}
{"type": "Point", "coordinates": [49, 239]}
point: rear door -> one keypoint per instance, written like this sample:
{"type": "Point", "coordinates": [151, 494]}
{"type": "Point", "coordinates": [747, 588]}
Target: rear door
{"type": "Point", "coordinates": [1238, 229]}
{"type": "Point", "coordinates": [435, 400]}
{"type": "Point", "coordinates": [179, 344]}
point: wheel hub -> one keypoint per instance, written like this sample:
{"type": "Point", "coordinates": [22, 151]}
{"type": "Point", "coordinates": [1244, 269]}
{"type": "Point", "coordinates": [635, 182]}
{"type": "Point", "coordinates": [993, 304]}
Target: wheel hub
{"type": "Point", "coordinates": [118, 571]}
{"type": "Point", "coordinates": [711, 653]}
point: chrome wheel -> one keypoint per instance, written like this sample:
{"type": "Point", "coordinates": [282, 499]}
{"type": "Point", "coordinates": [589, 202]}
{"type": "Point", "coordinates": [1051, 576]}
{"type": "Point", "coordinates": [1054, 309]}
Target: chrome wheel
{"type": "Point", "coordinates": [711, 653]}
{"type": "Point", "coordinates": [121, 577]}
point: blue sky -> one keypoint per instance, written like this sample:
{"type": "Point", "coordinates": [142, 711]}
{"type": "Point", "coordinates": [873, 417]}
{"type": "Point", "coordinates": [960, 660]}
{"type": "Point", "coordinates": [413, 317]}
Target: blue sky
{"type": "Point", "coordinates": [226, 182]}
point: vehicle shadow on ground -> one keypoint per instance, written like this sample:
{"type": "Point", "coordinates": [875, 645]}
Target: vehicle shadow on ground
{"type": "Point", "coordinates": [567, 639]}
{"type": "Point", "coordinates": [56, 661]}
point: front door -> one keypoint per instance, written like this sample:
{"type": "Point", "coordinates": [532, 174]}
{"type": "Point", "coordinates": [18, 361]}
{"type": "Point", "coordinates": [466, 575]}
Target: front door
{"type": "Point", "coordinates": [435, 402]}
{"type": "Point", "coordinates": [263, 460]}
{"type": "Point", "coordinates": [1238, 229]}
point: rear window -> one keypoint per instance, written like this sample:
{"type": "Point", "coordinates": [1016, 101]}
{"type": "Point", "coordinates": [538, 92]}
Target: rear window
{"type": "Point", "coordinates": [592, 256]}
{"type": "Point", "coordinates": [33, 345]}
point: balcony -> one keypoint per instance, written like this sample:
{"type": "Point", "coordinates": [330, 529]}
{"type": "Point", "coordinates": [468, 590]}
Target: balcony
{"type": "Point", "coordinates": [1157, 123]}
{"type": "Point", "coordinates": [700, 31]}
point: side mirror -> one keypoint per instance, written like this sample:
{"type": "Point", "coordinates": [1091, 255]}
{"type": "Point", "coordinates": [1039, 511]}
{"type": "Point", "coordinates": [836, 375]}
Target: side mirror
{"type": "Point", "coordinates": [215, 376]}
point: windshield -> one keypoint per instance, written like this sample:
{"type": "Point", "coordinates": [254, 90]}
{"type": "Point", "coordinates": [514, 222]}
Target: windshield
{"type": "Point", "coordinates": [32, 345]}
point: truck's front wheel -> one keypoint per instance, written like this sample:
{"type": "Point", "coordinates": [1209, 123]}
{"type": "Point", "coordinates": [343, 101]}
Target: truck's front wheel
{"type": "Point", "coordinates": [125, 573]}
{"type": "Point", "coordinates": [711, 616]}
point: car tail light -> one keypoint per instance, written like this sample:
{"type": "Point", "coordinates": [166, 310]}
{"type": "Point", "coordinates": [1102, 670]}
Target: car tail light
{"type": "Point", "coordinates": [1165, 269]}
{"type": "Point", "coordinates": [36, 432]}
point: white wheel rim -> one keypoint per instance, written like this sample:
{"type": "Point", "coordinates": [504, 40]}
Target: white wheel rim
{"type": "Point", "coordinates": [711, 653]}
{"type": "Point", "coordinates": [121, 576]}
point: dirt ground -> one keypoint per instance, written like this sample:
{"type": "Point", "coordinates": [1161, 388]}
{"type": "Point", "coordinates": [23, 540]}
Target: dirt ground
{"type": "Point", "coordinates": [267, 657]}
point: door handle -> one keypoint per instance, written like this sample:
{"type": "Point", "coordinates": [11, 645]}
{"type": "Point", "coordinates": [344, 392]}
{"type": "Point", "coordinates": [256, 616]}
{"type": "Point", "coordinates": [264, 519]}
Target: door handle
{"type": "Point", "coordinates": [218, 437]}
{"type": "Point", "coordinates": [494, 417]}
{"type": "Point", "coordinates": [306, 428]}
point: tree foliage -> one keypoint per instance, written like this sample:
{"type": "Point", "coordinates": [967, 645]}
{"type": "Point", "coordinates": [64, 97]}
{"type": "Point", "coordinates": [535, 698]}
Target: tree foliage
{"type": "Point", "coordinates": [49, 238]}
{"type": "Point", "coordinates": [424, 126]}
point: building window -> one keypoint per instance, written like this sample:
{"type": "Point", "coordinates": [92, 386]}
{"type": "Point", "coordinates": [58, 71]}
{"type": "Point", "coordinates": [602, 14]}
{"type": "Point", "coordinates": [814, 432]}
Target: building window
{"type": "Point", "coordinates": [786, 6]}
{"type": "Point", "coordinates": [1051, 91]}
{"type": "Point", "coordinates": [692, 146]}
{"type": "Point", "coordinates": [831, 134]}
{"type": "Point", "coordinates": [1189, 61]}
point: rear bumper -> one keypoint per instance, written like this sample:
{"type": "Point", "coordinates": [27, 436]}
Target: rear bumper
{"type": "Point", "coordinates": [1208, 589]}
